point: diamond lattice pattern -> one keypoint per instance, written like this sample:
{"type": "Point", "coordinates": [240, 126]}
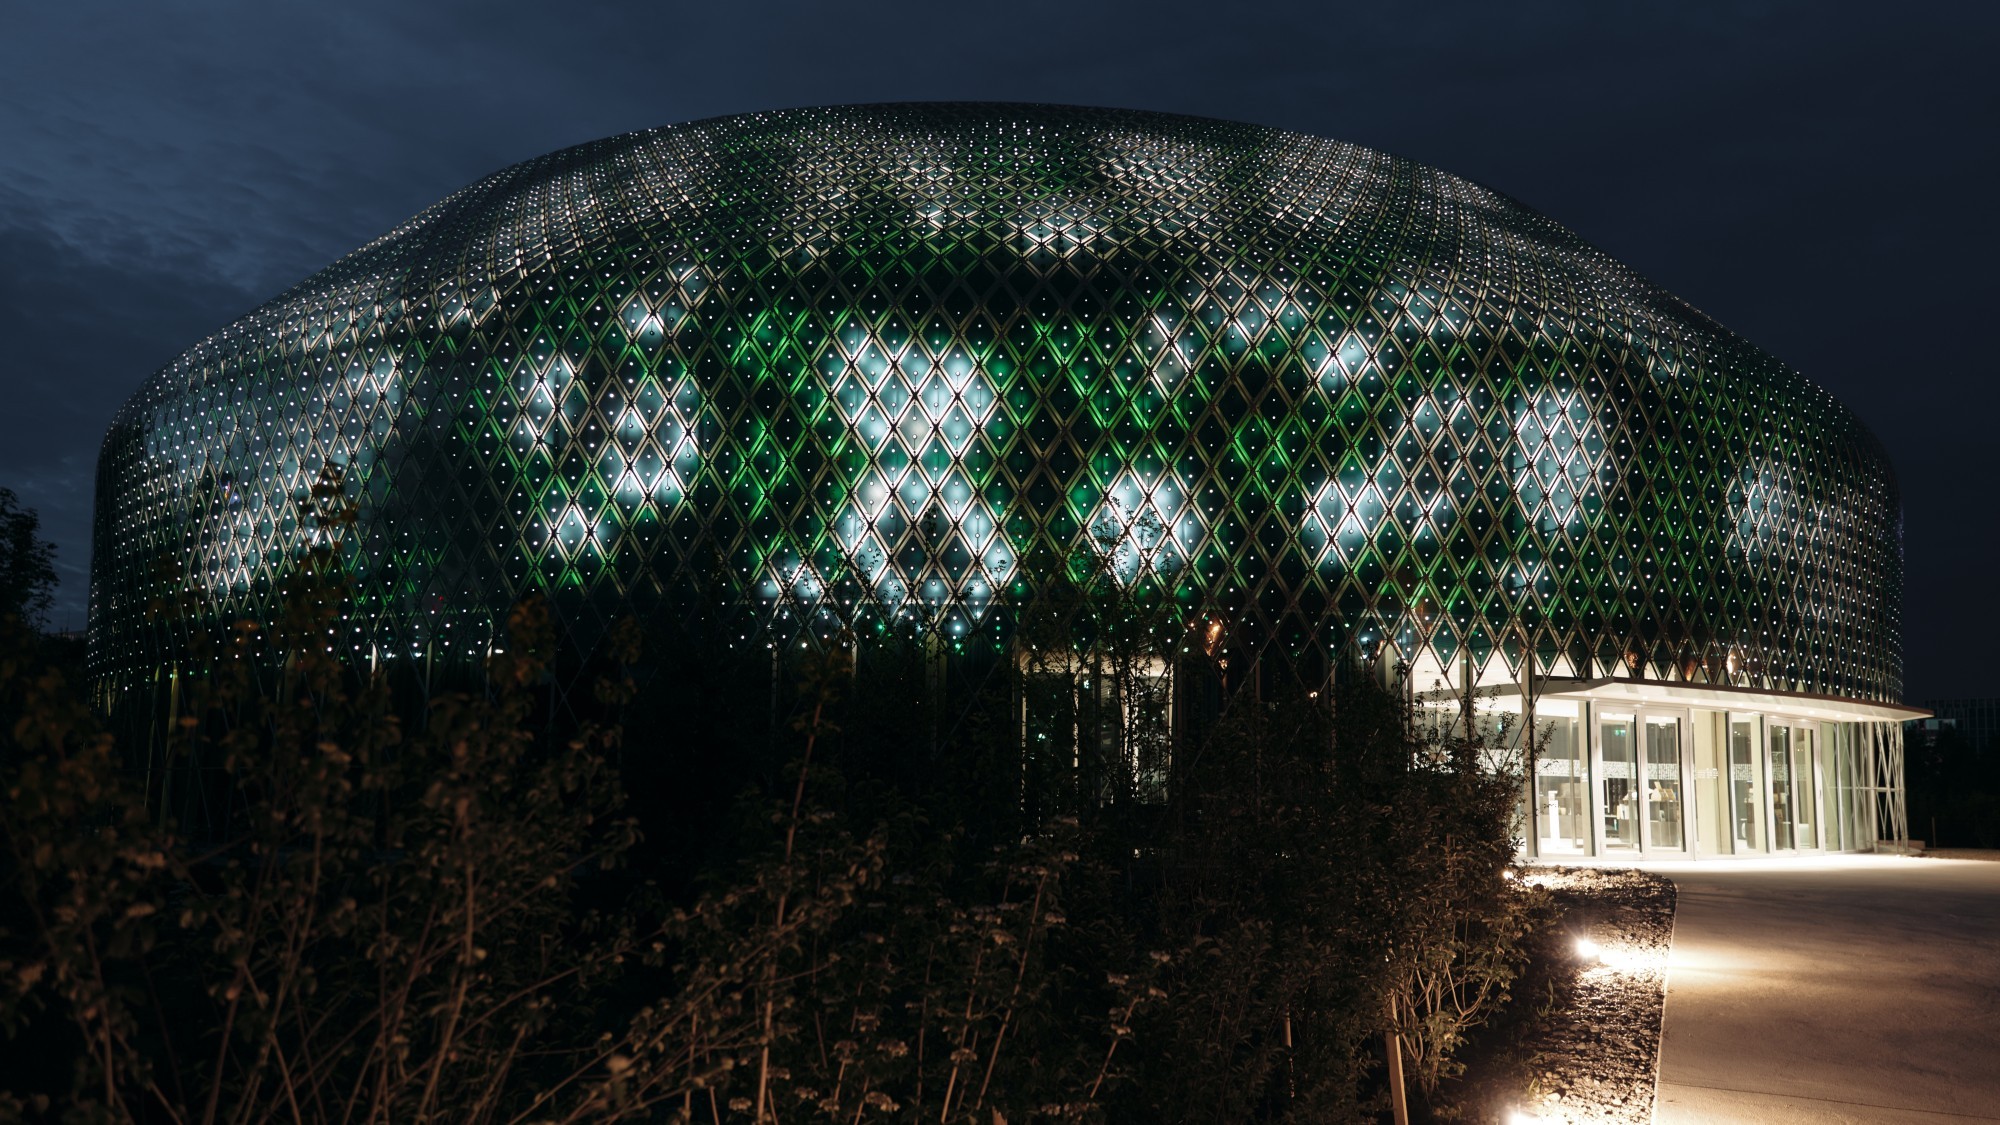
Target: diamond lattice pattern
{"type": "Point", "coordinates": [839, 367]}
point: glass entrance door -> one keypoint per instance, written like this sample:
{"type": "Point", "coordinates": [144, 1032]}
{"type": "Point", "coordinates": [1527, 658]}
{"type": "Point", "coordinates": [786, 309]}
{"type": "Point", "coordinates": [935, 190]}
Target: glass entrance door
{"type": "Point", "coordinates": [1562, 782]}
{"type": "Point", "coordinates": [1665, 781]}
{"type": "Point", "coordinates": [1644, 781]}
{"type": "Point", "coordinates": [1805, 788]}
{"type": "Point", "coordinates": [1620, 749]}
{"type": "Point", "coordinates": [1784, 810]}
{"type": "Point", "coordinates": [1746, 810]}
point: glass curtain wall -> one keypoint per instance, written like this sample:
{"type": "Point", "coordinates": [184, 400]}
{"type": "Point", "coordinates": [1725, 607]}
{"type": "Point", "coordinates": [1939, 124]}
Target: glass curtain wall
{"type": "Point", "coordinates": [1801, 792]}
{"type": "Point", "coordinates": [1784, 813]}
{"type": "Point", "coordinates": [1806, 785]}
{"type": "Point", "coordinates": [1663, 796]}
{"type": "Point", "coordinates": [1853, 807]}
{"type": "Point", "coordinates": [1700, 782]}
{"type": "Point", "coordinates": [1861, 759]}
{"type": "Point", "coordinates": [1619, 754]}
{"type": "Point", "coordinates": [1711, 786]}
{"type": "Point", "coordinates": [1562, 780]}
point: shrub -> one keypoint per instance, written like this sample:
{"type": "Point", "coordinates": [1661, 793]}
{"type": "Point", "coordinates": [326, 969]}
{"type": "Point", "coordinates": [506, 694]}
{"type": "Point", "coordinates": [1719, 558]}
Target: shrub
{"type": "Point", "coordinates": [432, 920]}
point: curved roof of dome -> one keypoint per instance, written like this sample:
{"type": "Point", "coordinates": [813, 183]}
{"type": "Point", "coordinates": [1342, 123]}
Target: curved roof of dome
{"type": "Point", "coordinates": [1113, 176]}
{"type": "Point", "coordinates": [1116, 280]}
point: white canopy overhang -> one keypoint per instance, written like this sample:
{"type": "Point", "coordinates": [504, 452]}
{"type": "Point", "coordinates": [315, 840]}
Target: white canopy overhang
{"type": "Point", "coordinates": [1718, 697]}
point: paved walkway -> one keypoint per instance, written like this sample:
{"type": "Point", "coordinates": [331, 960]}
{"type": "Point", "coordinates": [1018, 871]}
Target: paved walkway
{"type": "Point", "coordinates": [1846, 989]}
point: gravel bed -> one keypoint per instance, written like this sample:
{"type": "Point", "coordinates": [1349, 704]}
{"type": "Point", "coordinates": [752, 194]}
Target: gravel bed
{"type": "Point", "coordinates": [1596, 1058]}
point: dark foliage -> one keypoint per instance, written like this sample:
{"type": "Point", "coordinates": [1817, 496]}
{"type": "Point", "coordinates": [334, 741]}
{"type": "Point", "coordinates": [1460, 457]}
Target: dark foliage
{"type": "Point", "coordinates": [1954, 790]}
{"type": "Point", "coordinates": [1021, 894]}
{"type": "Point", "coordinates": [27, 563]}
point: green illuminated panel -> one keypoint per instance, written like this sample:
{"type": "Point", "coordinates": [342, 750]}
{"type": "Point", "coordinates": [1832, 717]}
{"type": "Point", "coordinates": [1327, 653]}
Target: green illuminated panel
{"type": "Point", "coordinates": [839, 367]}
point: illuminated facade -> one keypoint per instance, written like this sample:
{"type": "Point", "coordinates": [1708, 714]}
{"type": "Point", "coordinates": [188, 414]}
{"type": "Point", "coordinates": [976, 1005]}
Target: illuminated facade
{"type": "Point", "coordinates": [870, 367]}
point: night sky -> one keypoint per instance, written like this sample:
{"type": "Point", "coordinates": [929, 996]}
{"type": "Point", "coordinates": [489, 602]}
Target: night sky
{"type": "Point", "coordinates": [1816, 176]}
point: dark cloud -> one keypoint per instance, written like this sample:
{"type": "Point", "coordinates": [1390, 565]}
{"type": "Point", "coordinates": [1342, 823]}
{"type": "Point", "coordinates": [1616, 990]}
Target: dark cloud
{"type": "Point", "coordinates": [1811, 174]}
{"type": "Point", "coordinates": [81, 330]}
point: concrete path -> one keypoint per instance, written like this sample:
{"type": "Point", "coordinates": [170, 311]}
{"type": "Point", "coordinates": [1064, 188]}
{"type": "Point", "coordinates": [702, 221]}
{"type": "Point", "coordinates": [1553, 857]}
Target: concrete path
{"type": "Point", "coordinates": [1846, 989]}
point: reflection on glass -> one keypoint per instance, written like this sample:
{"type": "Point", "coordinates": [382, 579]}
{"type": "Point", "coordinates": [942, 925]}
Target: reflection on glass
{"type": "Point", "coordinates": [1621, 774]}
{"type": "Point", "coordinates": [1561, 801]}
{"type": "Point", "coordinates": [1745, 811]}
{"type": "Point", "coordinates": [1781, 787]}
{"type": "Point", "coordinates": [1663, 783]}
{"type": "Point", "coordinates": [1708, 781]}
{"type": "Point", "coordinates": [1111, 733]}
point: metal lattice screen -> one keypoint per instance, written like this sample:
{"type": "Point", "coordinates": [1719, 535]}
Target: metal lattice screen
{"type": "Point", "coordinates": [895, 366]}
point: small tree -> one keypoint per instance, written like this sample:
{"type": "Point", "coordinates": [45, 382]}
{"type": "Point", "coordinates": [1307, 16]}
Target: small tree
{"type": "Point", "coordinates": [395, 924]}
{"type": "Point", "coordinates": [1330, 872]}
{"type": "Point", "coordinates": [27, 563]}
{"type": "Point", "coordinates": [424, 917]}
{"type": "Point", "coordinates": [387, 932]}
